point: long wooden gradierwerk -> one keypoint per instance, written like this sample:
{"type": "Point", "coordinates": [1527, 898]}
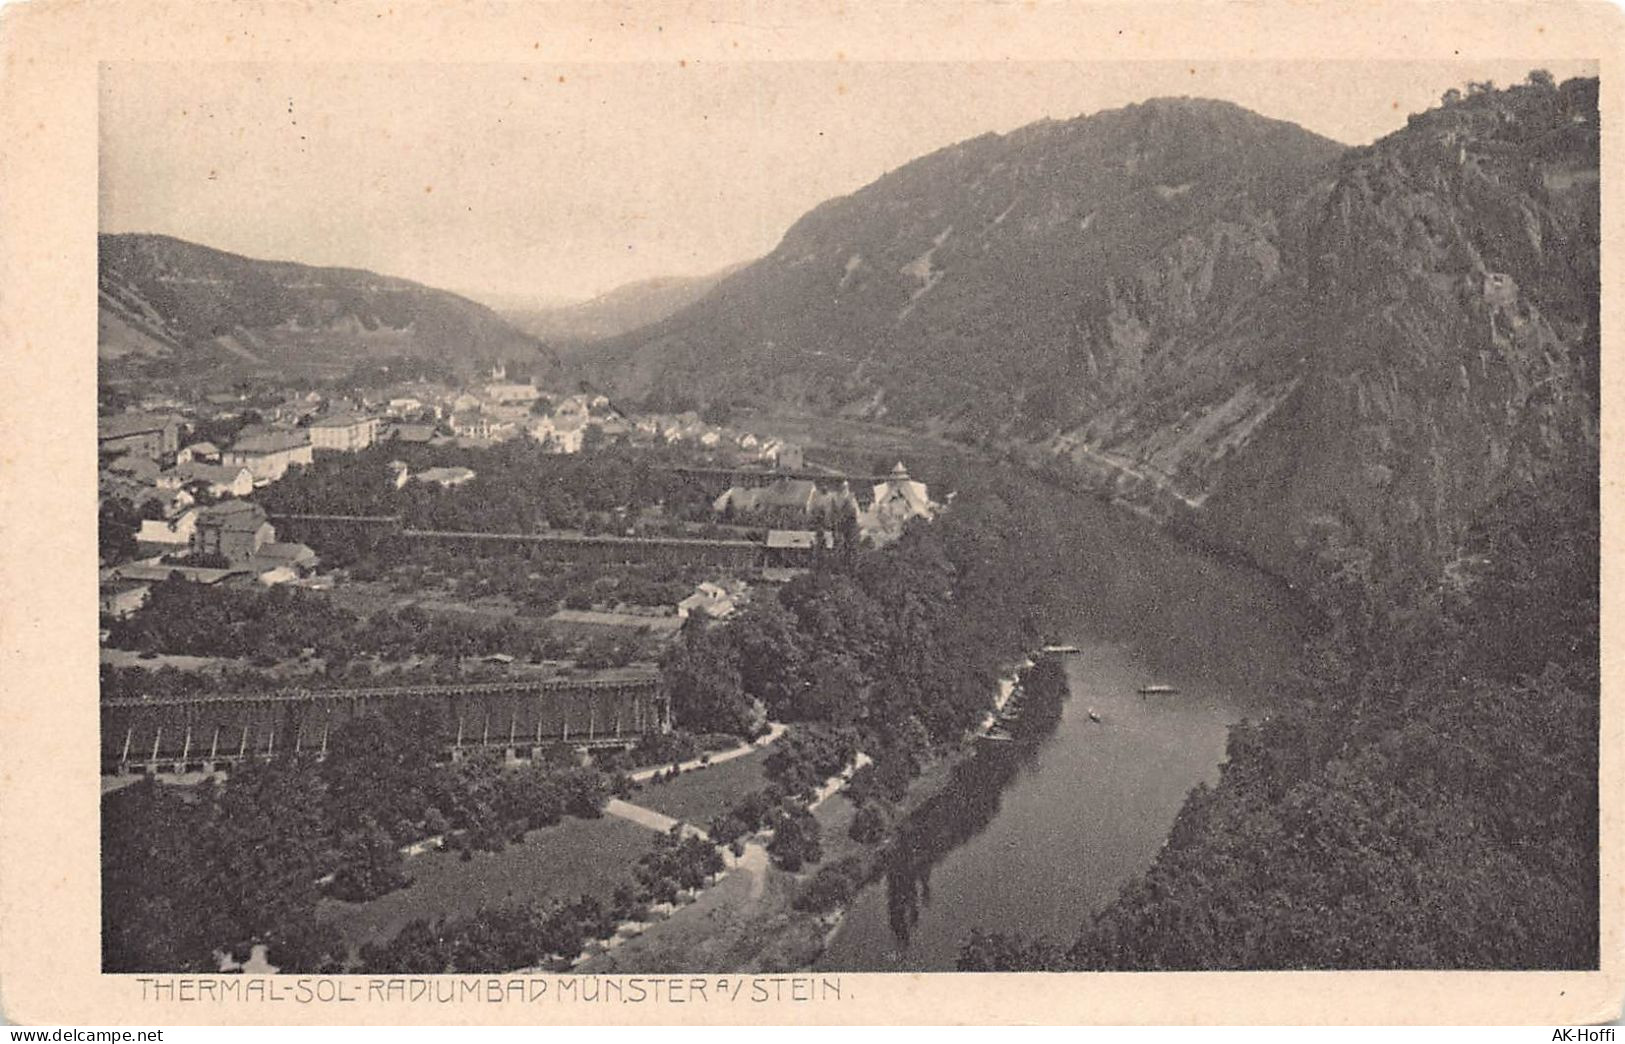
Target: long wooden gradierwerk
{"type": "Point", "coordinates": [602, 549]}
{"type": "Point", "coordinates": [209, 731]}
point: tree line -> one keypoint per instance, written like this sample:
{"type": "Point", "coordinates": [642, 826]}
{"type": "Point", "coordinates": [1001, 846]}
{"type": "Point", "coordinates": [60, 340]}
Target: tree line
{"type": "Point", "coordinates": [189, 874]}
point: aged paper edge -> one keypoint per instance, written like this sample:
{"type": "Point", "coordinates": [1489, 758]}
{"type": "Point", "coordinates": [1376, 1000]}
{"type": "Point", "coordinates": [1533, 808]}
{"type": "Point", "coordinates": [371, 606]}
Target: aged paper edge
{"type": "Point", "coordinates": [49, 905]}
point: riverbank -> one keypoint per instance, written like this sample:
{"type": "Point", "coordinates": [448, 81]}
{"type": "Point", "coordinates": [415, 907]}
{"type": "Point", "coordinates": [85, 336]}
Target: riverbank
{"type": "Point", "coordinates": [749, 922]}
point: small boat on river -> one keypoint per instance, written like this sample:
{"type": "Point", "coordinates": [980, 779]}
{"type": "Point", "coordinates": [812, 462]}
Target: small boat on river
{"type": "Point", "coordinates": [1094, 715]}
{"type": "Point", "coordinates": [1060, 650]}
{"type": "Point", "coordinates": [1158, 690]}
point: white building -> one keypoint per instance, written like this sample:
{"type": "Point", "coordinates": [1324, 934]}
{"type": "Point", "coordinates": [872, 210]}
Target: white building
{"type": "Point", "coordinates": [507, 393]}
{"type": "Point", "coordinates": [268, 457]}
{"type": "Point", "coordinates": [344, 432]}
{"type": "Point", "coordinates": [175, 531]}
{"type": "Point", "coordinates": [896, 501]}
{"type": "Point", "coordinates": [561, 433]}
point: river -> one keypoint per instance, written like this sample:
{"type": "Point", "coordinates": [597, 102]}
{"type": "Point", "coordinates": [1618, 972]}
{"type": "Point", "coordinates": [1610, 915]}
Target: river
{"type": "Point", "coordinates": [1035, 836]}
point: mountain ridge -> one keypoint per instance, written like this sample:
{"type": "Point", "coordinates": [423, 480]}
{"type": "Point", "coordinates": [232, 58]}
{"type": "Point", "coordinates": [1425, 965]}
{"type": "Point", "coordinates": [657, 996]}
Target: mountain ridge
{"type": "Point", "coordinates": [623, 309]}
{"type": "Point", "coordinates": [1220, 319]}
{"type": "Point", "coordinates": [168, 306]}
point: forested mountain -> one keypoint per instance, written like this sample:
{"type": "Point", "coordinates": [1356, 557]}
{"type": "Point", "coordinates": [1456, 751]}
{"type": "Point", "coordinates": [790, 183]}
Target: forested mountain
{"type": "Point", "coordinates": [172, 307]}
{"type": "Point", "coordinates": [950, 291]}
{"type": "Point", "coordinates": [1219, 317]}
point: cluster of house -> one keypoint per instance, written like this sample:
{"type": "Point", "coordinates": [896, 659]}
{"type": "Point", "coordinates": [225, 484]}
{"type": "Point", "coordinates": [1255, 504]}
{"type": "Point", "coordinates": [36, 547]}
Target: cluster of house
{"type": "Point", "coordinates": [194, 522]}
{"type": "Point", "coordinates": [714, 600]}
{"type": "Point", "coordinates": [143, 462]}
{"type": "Point", "coordinates": [229, 541]}
{"type": "Point", "coordinates": [893, 503]}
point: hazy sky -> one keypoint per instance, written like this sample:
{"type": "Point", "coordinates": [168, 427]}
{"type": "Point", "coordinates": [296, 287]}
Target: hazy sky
{"type": "Point", "coordinates": [562, 181]}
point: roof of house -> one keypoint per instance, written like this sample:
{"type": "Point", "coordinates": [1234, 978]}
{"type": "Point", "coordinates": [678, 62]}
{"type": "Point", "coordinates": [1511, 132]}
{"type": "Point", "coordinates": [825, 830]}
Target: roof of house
{"type": "Point", "coordinates": [445, 475]}
{"type": "Point", "coordinates": [202, 447]}
{"type": "Point", "coordinates": [340, 420]}
{"type": "Point", "coordinates": [912, 493]}
{"type": "Point", "coordinates": [217, 474]}
{"type": "Point", "coordinates": [236, 515]}
{"type": "Point", "coordinates": [414, 432]}
{"type": "Point", "coordinates": [271, 442]}
{"type": "Point", "coordinates": [798, 494]}
{"type": "Point", "coordinates": [800, 539]}
{"type": "Point", "coordinates": [122, 425]}
{"type": "Point", "coordinates": [196, 574]}
{"type": "Point", "coordinates": [140, 467]}
{"type": "Point", "coordinates": [285, 551]}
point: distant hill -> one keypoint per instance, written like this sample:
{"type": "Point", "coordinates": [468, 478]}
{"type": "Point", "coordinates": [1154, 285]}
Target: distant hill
{"type": "Point", "coordinates": [619, 311]}
{"type": "Point", "coordinates": [1219, 317]}
{"type": "Point", "coordinates": [169, 307]}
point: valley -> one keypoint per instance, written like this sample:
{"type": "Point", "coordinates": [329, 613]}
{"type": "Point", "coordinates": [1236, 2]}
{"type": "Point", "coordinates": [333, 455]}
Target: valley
{"type": "Point", "coordinates": [1295, 443]}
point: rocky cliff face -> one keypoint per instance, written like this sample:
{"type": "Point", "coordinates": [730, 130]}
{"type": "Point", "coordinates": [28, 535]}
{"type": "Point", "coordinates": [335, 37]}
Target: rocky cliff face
{"type": "Point", "coordinates": [173, 307]}
{"type": "Point", "coordinates": [1209, 315]}
{"type": "Point", "coordinates": [1448, 339]}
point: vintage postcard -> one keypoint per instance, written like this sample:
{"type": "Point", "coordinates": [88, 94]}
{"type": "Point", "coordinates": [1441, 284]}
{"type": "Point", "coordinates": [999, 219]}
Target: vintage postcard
{"type": "Point", "coordinates": [743, 512]}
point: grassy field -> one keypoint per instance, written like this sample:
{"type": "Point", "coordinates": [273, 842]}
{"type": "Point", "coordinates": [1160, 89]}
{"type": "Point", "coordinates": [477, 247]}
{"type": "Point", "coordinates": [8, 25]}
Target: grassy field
{"type": "Point", "coordinates": [578, 856]}
{"type": "Point", "coordinates": [696, 797]}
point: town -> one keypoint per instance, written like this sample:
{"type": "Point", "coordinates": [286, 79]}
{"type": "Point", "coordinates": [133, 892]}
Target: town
{"type": "Point", "coordinates": [491, 578]}
{"type": "Point", "coordinates": [249, 493]}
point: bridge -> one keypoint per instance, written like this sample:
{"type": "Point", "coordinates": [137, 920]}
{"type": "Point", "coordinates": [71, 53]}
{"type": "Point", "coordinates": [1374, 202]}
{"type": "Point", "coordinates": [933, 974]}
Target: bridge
{"type": "Point", "coordinates": [207, 732]}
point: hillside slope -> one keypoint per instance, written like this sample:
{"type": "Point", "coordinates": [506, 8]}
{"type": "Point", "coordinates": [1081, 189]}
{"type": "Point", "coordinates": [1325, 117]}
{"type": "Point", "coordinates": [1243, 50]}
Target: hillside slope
{"type": "Point", "coordinates": [954, 292]}
{"type": "Point", "coordinates": [621, 310]}
{"type": "Point", "coordinates": [170, 307]}
{"type": "Point", "coordinates": [1219, 318]}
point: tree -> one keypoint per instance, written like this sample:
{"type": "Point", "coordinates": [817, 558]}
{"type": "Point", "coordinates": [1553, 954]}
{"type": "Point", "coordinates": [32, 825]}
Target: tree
{"type": "Point", "coordinates": [869, 825]}
{"type": "Point", "coordinates": [309, 948]}
{"type": "Point", "coordinates": [795, 842]}
{"type": "Point", "coordinates": [369, 865]}
{"type": "Point", "coordinates": [701, 679]}
{"type": "Point", "coordinates": [1542, 79]}
{"type": "Point", "coordinates": [116, 524]}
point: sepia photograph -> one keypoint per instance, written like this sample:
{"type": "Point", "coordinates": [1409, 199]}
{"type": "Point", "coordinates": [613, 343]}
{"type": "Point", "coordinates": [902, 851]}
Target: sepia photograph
{"type": "Point", "coordinates": [848, 517]}
{"type": "Point", "coordinates": [746, 513]}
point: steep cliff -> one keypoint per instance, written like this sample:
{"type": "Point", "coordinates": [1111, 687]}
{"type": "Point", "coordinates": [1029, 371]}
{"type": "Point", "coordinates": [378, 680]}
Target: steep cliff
{"type": "Point", "coordinates": [1448, 340]}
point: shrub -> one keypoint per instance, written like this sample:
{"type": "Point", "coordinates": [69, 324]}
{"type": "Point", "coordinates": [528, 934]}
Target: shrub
{"type": "Point", "coordinates": [832, 886]}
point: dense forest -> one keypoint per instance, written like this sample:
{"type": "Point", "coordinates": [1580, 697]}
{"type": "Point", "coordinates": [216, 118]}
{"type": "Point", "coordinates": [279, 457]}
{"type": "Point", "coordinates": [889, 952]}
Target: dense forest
{"type": "Point", "coordinates": [1425, 797]}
